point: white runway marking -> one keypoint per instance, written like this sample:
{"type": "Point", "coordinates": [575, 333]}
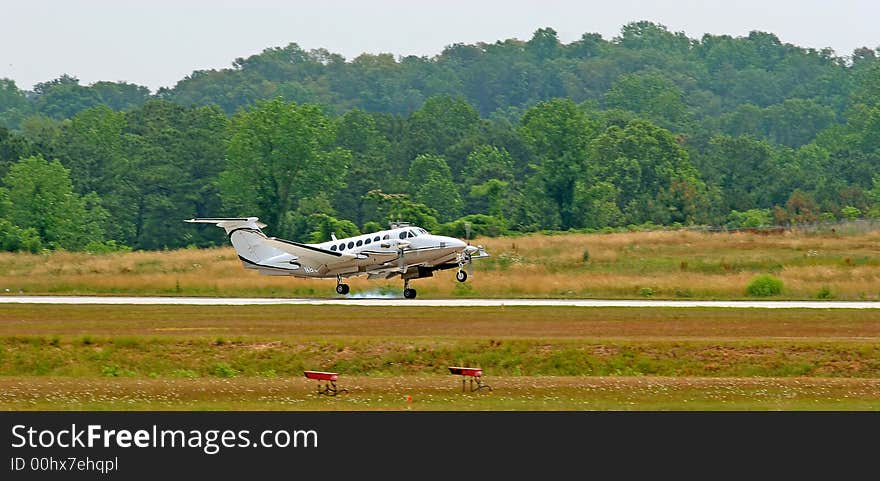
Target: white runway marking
{"type": "Point", "coordinates": [240, 301]}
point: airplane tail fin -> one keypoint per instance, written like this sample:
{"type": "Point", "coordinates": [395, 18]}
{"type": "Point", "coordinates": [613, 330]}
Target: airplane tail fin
{"type": "Point", "coordinates": [251, 244]}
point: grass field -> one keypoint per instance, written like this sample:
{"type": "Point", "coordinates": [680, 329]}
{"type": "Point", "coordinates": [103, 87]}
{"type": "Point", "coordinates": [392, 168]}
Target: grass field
{"type": "Point", "coordinates": [535, 358]}
{"type": "Point", "coordinates": [435, 393]}
{"type": "Point", "coordinates": [663, 264]}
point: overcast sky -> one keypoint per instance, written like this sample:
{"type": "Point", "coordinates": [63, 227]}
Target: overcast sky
{"type": "Point", "coordinates": [157, 42]}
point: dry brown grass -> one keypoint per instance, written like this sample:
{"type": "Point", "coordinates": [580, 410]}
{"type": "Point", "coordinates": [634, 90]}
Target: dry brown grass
{"type": "Point", "coordinates": [687, 263]}
{"type": "Point", "coordinates": [663, 264]}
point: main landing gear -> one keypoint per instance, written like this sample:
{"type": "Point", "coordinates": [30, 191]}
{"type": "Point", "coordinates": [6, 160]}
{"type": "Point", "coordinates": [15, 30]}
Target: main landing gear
{"type": "Point", "coordinates": [408, 292]}
{"type": "Point", "coordinates": [340, 287]}
{"type": "Point", "coordinates": [461, 276]}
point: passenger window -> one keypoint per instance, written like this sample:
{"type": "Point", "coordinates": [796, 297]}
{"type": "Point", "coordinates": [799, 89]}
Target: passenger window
{"type": "Point", "coordinates": [333, 248]}
{"type": "Point", "coordinates": [386, 237]}
{"type": "Point", "coordinates": [367, 241]}
{"type": "Point", "coordinates": [376, 239]}
{"type": "Point", "coordinates": [359, 243]}
{"type": "Point", "coordinates": [350, 245]}
{"type": "Point", "coordinates": [402, 235]}
{"type": "Point", "coordinates": [341, 246]}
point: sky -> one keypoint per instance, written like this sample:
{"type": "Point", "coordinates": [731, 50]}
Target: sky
{"type": "Point", "coordinates": [156, 43]}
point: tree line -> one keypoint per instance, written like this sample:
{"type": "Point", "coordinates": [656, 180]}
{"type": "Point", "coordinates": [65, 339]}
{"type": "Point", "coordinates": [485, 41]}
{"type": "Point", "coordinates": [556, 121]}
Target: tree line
{"type": "Point", "coordinates": [648, 128]}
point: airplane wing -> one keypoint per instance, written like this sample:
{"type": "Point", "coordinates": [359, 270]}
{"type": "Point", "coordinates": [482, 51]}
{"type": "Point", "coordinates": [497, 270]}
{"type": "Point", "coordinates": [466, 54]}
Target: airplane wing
{"type": "Point", "coordinates": [324, 256]}
{"type": "Point", "coordinates": [379, 256]}
{"type": "Point", "coordinates": [309, 254]}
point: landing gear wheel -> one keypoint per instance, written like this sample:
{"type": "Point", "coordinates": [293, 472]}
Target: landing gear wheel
{"type": "Point", "coordinates": [461, 276]}
{"type": "Point", "coordinates": [409, 293]}
{"type": "Point", "coordinates": [342, 289]}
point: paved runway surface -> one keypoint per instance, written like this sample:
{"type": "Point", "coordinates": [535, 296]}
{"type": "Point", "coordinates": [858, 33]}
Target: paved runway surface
{"type": "Point", "coordinates": [237, 301]}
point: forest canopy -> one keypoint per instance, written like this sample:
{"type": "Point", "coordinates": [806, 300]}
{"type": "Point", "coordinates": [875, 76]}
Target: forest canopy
{"type": "Point", "coordinates": [650, 127]}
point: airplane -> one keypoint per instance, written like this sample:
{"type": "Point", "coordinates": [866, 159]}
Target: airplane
{"type": "Point", "coordinates": [403, 250]}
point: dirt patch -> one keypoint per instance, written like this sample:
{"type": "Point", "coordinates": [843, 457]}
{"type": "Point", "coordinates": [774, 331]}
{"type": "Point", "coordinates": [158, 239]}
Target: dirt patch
{"type": "Point", "coordinates": [262, 346]}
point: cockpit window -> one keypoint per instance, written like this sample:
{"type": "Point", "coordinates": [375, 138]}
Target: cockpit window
{"type": "Point", "coordinates": [423, 231]}
{"type": "Point", "coordinates": [386, 237]}
{"type": "Point", "coordinates": [410, 233]}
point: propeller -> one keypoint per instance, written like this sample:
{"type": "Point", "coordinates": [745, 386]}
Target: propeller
{"type": "Point", "coordinates": [401, 261]}
{"type": "Point", "coordinates": [467, 257]}
{"type": "Point", "coordinates": [469, 250]}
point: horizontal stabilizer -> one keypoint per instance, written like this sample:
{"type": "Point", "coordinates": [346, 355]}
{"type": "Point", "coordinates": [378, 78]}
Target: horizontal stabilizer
{"type": "Point", "coordinates": [230, 223]}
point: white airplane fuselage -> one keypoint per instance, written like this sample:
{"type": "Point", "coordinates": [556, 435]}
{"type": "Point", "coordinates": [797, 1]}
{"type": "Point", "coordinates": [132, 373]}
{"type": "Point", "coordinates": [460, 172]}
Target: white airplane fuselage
{"type": "Point", "coordinates": [423, 249]}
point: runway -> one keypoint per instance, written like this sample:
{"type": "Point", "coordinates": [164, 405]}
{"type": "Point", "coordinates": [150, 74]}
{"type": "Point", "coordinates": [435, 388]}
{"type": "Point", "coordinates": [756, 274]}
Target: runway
{"type": "Point", "coordinates": [398, 302]}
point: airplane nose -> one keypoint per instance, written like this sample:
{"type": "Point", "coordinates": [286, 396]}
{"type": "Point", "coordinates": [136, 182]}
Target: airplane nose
{"type": "Point", "coordinates": [456, 243]}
